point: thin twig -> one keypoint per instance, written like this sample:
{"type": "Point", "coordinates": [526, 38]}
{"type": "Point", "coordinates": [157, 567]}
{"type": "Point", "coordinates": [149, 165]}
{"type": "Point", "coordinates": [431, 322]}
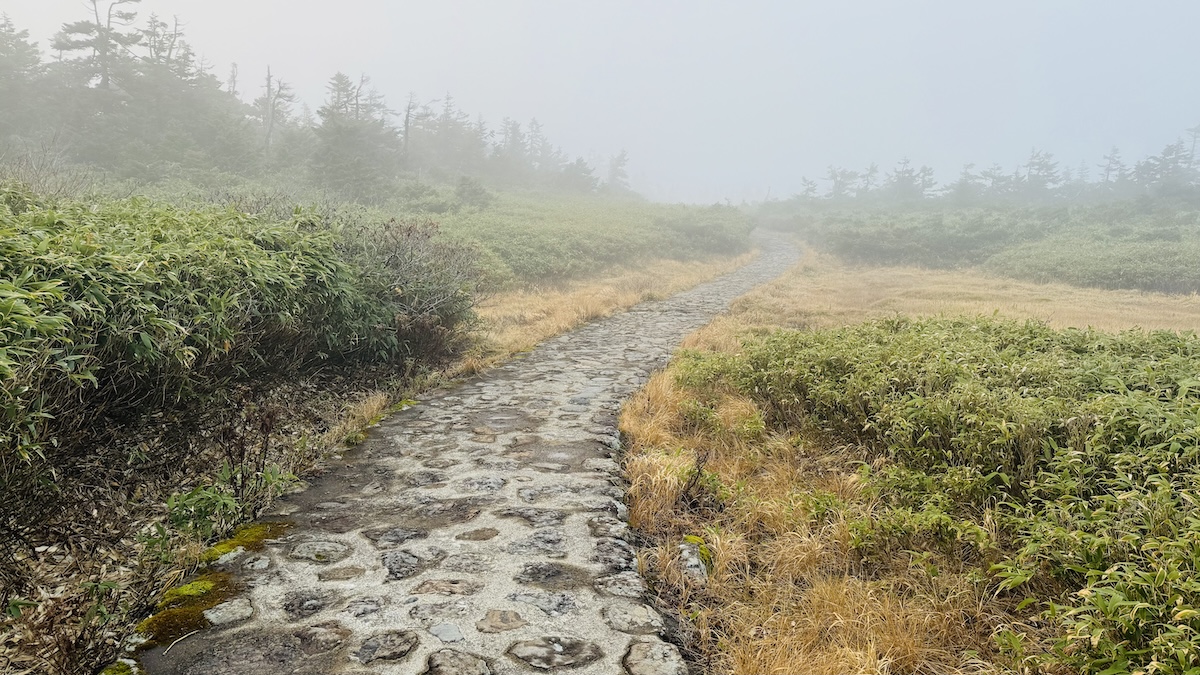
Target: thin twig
{"type": "Point", "coordinates": [178, 641]}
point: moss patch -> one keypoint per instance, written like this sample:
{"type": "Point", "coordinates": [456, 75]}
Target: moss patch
{"type": "Point", "coordinates": [401, 405]}
{"type": "Point", "coordinates": [250, 537]}
{"type": "Point", "coordinates": [119, 668]}
{"type": "Point", "coordinates": [183, 594]}
{"type": "Point", "coordinates": [186, 613]}
{"type": "Point", "coordinates": [181, 609]}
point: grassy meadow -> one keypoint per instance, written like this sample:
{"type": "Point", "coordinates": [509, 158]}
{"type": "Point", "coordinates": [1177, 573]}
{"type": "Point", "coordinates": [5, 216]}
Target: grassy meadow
{"type": "Point", "coordinates": [895, 469]}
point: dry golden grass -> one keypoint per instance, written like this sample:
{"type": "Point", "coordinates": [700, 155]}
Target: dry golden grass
{"type": "Point", "coordinates": [356, 417]}
{"type": "Point", "coordinates": [786, 592]}
{"type": "Point", "coordinates": [517, 321]}
{"type": "Point", "coordinates": [821, 292]}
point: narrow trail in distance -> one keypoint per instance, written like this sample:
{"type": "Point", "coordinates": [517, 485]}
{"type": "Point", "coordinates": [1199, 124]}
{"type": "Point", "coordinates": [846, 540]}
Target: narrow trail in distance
{"type": "Point", "coordinates": [480, 532]}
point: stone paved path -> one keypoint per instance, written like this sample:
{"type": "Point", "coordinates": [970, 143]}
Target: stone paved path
{"type": "Point", "coordinates": [481, 531]}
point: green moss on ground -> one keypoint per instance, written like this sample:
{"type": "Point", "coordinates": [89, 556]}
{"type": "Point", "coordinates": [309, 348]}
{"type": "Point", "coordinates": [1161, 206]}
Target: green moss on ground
{"type": "Point", "coordinates": [181, 609]}
{"type": "Point", "coordinates": [188, 604]}
{"type": "Point", "coordinates": [182, 594]}
{"type": "Point", "coordinates": [119, 668]}
{"type": "Point", "coordinates": [250, 537]}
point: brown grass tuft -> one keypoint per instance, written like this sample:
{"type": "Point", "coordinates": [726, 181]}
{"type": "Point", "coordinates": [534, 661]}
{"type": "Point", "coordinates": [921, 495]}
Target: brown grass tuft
{"type": "Point", "coordinates": [658, 482]}
{"type": "Point", "coordinates": [357, 416]}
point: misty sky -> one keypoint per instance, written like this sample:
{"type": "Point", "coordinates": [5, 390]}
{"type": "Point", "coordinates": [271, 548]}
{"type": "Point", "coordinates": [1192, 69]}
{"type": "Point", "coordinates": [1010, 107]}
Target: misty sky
{"type": "Point", "coordinates": [718, 100]}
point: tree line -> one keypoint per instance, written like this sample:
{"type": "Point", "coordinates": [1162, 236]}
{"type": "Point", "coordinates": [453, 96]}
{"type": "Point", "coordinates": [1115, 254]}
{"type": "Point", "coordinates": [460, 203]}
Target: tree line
{"type": "Point", "coordinates": [1172, 173]}
{"type": "Point", "coordinates": [132, 97]}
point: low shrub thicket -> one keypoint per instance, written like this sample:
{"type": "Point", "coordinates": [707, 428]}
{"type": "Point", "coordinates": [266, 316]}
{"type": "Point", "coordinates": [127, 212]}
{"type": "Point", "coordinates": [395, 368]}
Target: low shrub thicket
{"type": "Point", "coordinates": [520, 239]}
{"type": "Point", "coordinates": [1142, 244]}
{"type": "Point", "coordinates": [1063, 465]}
{"type": "Point", "coordinates": [111, 311]}
{"type": "Point", "coordinates": [551, 239]}
{"type": "Point", "coordinates": [938, 239]}
{"type": "Point", "coordinates": [1160, 265]}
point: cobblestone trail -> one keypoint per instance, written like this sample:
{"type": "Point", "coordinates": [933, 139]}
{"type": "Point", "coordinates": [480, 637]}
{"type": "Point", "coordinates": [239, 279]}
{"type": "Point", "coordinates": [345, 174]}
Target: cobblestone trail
{"type": "Point", "coordinates": [479, 532]}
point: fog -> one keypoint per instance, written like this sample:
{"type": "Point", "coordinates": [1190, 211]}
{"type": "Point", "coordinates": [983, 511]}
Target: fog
{"type": "Point", "coordinates": [719, 100]}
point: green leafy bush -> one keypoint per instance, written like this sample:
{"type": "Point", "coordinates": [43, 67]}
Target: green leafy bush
{"type": "Point", "coordinates": [111, 311]}
{"type": "Point", "coordinates": [1070, 459]}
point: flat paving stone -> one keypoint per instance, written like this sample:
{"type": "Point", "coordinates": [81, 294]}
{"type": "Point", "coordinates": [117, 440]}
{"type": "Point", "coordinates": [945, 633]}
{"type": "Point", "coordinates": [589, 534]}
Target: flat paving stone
{"type": "Point", "coordinates": [447, 632]}
{"type": "Point", "coordinates": [389, 646]}
{"type": "Point", "coordinates": [622, 584]}
{"type": "Point", "coordinates": [500, 621]}
{"type": "Point", "coordinates": [323, 552]}
{"type": "Point", "coordinates": [480, 531]}
{"type": "Point", "coordinates": [551, 542]}
{"type": "Point", "coordinates": [448, 587]}
{"type": "Point", "coordinates": [554, 576]}
{"type": "Point", "coordinates": [359, 607]}
{"type": "Point", "coordinates": [451, 662]}
{"type": "Point", "coordinates": [635, 619]}
{"type": "Point", "coordinates": [322, 638]}
{"type": "Point", "coordinates": [549, 653]}
{"type": "Point", "coordinates": [234, 611]}
{"type": "Point", "coordinates": [554, 604]}
{"type": "Point", "coordinates": [653, 658]}
{"type": "Point", "coordinates": [481, 534]}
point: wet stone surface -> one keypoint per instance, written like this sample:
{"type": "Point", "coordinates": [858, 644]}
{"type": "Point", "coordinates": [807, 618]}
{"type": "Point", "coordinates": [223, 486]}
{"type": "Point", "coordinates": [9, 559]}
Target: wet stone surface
{"type": "Point", "coordinates": [450, 662]}
{"type": "Point", "coordinates": [479, 532]}
{"type": "Point", "coordinates": [387, 646]}
{"type": "Point", "coordinates": [303, 604]}
{"type": "Point", "coordinates": [553, 604]}
{"type": "Point", "coordinates": [499, 621]}
{"type": "Point", "coordinates": [553, 576]}
{"type": "Point", "coordinates": [635, 619]}
{"type": "Point", "coordinates": [549, 653]}
{"type": "Point", "coordinates": [653, 658]}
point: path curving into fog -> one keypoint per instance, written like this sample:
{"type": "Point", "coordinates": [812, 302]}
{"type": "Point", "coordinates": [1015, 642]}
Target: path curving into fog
{"type": "Point", "coordinates": [481, 531]}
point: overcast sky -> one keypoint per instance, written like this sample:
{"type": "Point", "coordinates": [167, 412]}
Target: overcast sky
{"type": "Point", "coordinates": [718, 100]}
